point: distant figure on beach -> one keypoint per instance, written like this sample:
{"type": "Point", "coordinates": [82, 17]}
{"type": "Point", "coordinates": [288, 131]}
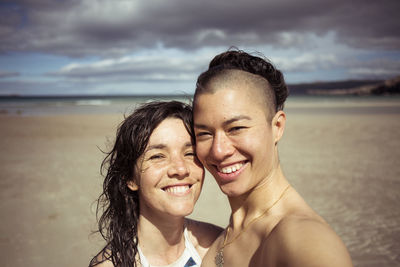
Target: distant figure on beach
{"type": "Point", "coordinates": [238, 122]}
{"type": "Point", "coordinates": [153, 181]}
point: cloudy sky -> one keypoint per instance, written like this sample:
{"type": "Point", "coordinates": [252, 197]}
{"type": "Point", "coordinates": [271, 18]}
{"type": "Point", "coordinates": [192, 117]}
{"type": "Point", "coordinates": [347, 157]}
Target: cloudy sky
{"type": "Point", "coordinates": [157, 46]}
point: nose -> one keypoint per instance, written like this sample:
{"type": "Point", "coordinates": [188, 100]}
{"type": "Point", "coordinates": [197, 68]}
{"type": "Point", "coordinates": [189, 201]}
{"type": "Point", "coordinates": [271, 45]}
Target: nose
{"type": "Point", "coordinates": [178, 168]}
{"type": "Point", "coordinates": [222, 147]}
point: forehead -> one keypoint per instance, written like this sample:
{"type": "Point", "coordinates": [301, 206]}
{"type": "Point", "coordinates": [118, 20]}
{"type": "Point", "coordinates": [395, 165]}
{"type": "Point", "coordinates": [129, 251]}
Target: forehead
{"type": "Point", "coordinates": [169, 131]}
{"type": "Point", "coordinates": [227, 103]}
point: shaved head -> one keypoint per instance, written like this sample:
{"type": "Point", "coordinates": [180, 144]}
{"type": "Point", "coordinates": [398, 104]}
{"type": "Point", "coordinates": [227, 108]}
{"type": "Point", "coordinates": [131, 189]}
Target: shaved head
{"type": "Point", "coordinates": [256, 86]}
{"type": "Point", "coordinates": [255, 74]}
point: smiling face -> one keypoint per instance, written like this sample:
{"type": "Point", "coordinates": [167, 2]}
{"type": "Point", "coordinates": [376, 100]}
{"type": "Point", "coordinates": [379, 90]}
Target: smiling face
{"type": "Point", "coordinates": [168, 175]}
{"type": "Point", "coordinates": [235, 139]}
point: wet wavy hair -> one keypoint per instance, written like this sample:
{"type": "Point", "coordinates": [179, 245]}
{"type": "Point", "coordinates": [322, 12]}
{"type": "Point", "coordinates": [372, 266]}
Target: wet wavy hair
{"type": "Point", "coordinates": [235, 59]}
{"type": "Point", "coordinates": [117, 204]}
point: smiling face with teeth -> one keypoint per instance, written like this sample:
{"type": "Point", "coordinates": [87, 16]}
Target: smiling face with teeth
{"type": "Point", "coordinates": [169, 177]}
{"type": "Point", "coordinates": [236, 135]}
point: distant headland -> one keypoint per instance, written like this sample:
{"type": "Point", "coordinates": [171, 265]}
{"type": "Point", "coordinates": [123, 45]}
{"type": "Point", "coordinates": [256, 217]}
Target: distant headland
{"type": "Point", "coordinates": [351, 87]}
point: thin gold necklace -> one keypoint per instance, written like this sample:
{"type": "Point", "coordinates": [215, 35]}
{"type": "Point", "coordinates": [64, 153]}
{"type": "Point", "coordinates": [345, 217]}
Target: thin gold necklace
{"type": "Point", "coordinates": [219, 258]}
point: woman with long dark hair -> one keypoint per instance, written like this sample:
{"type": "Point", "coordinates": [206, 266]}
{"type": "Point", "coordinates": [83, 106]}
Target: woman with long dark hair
{"type": "Point", "coordinates": [153, 181]}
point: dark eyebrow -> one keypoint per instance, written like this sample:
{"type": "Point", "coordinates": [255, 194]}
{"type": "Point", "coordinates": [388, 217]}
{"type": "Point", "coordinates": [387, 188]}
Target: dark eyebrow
{"type": "Point", "coordinates": [225, 123]}
{"type": "Point", "coordinates": [157, 146]}
{"type": "Point", "coordinates": [237, 118]}
{"type": "Point", "coordinates": [162, 146]}
{"type": "Point", "coordinates": [200, 126]}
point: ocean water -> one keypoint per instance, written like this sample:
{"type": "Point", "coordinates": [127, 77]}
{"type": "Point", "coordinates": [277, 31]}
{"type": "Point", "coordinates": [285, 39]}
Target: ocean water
{"type": "Point", "coordinates": [77, 105]}
{"type": "Point", "coordinates": [103, 104]}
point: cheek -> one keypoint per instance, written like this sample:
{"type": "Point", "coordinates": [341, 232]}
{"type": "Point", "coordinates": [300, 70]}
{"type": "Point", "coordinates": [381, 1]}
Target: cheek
{"type": "Point", "coordinates": [150, 177]}
{"type": "Point", "coordinates": [262, 150]}
{"type": "Point", "coordinates": [201, 151]}
{"type": "Point", "coordinates": [254, 144]}
{"type": "Point", "coordinates": [196, 169]}
{"type": "Point", "coordinates": [199, 173]}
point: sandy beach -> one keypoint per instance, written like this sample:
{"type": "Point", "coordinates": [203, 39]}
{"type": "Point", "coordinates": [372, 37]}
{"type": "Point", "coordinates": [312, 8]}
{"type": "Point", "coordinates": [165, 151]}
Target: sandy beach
{"type": "Point", "coordinates": [345, 165]}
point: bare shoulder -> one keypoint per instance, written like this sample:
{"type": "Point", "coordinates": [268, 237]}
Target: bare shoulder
{"type": "Point", "coordinates": [305, 241]}
{"type": "Point", "coordinates": [202, 234]}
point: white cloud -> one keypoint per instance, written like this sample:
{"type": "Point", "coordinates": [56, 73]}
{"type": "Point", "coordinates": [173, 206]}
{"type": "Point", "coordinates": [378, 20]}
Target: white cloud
{"type": "Point", "coordinates": [307, 62]}
{"type": "Point", "coordinates": [167, 66]}
{"type": "Point", "coordinates": [375, 68]}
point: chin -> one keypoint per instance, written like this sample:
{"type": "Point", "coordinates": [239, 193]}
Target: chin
{"type": "Point", "coordinates": [181, 211]}
{"type": "Point", "coordinates": [231, 191]}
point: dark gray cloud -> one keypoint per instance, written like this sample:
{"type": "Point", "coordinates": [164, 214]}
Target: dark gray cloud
{"type": "Point", "coordinates": [8, 74]}
{"type": "Point", "coordinates": [110, 27]}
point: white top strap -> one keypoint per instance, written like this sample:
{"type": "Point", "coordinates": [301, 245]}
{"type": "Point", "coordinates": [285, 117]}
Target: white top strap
{"type": "Point", "coordinates": [192, 250]}
{"type": "Point", "coordinates": [189, 258]}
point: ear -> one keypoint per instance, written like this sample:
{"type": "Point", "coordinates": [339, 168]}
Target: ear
{"type": "Point", "coordinates": [278, 125]}
{"type": "Point", "coordinates": [132, 185]}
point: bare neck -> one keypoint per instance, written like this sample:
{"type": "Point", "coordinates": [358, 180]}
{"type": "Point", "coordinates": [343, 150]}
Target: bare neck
{"type": "Point", "coordinates": [254, 203]}
{"type": "Point", "coordinates": [161, 240]}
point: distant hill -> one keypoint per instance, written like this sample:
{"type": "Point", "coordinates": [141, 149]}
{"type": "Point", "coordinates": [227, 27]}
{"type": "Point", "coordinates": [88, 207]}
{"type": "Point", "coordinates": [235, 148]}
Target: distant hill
{"type": "Point", "coordinates": [305, 88]}
{"type": "Point", "coordinates": [351, 87]}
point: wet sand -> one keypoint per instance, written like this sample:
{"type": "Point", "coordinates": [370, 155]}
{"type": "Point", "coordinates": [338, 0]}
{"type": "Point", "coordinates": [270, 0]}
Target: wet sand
{"type": "Point", "coordinates": [345, 166]}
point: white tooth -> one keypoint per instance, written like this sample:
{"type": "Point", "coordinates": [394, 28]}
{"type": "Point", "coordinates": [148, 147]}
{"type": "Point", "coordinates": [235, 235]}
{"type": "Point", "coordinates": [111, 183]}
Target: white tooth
{"type": "Point", "coordinates": [177, 189]}
{"type": "Point", "coordinates": [231, 169]}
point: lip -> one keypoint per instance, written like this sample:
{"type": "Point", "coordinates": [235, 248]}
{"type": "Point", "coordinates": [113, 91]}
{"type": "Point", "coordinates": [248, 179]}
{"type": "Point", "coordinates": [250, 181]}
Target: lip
{"type": "Point", "coordinates": [229, 177]}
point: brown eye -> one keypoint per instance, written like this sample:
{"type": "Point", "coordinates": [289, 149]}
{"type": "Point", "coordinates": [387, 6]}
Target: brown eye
{"type": "Point", "coordinates": [190, 154]}
{"type": "Point", "coordinates": [199, 134]}
{"type": "Point", "coordinates": [156, 156]}
{"type": "Point", "coordinates": [236, 129]}
{"type": "Point", "coordinates": [202, 136]}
